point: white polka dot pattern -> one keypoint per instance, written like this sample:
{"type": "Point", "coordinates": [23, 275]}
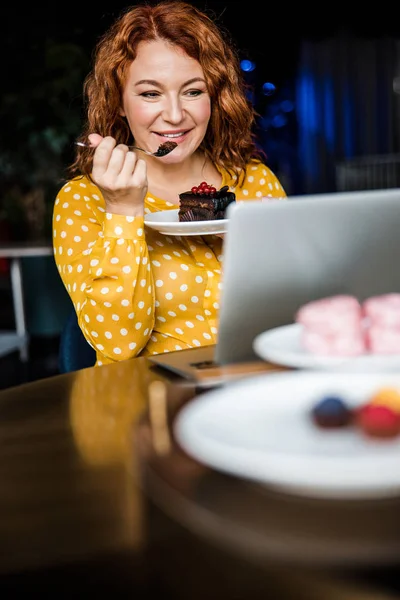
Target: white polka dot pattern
{"type": "Point", "coordinates": [135, 291]}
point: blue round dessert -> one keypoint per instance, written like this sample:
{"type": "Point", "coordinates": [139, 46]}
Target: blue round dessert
{"type": "Point", "coordinates": [332, 412]}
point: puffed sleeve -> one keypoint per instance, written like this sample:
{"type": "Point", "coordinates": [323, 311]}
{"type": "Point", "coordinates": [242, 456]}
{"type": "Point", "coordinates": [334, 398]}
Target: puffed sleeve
{"type": "Point", "coordinates": [260, 183]}
{"type": "Point", "coordinates": [103, 261]}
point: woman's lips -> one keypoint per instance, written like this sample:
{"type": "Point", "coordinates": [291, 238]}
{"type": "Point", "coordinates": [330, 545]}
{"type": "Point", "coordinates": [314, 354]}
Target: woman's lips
{"type": "Point", "coordinates": [173, 138]}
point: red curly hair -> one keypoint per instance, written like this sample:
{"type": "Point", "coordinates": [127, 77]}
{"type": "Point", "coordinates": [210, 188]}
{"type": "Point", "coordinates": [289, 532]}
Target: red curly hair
{"type": "Point", "coordinates": [229, 141]}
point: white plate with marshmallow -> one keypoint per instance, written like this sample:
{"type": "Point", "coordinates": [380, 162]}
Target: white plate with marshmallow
{"type": "Point", "coordinates": [283, 346]}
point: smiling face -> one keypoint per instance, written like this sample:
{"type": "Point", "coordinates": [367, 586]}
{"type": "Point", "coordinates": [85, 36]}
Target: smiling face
{"type": "Point", "coordinates": [165, 99]}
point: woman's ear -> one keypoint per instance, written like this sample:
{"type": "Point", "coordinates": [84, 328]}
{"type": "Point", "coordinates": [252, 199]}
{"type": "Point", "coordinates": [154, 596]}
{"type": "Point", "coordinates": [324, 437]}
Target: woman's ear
{"type": "Point", "coordinates": [122, 113]}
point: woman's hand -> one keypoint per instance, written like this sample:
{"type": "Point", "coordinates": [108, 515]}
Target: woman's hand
{"type": "Point", "coordinates": [120, 175]}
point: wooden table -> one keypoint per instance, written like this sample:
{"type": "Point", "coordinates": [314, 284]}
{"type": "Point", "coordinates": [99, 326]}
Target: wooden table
{"type": "Point", "coordinates": [88, 505]}
{"type": "Point", "coordinates": [18, 339]}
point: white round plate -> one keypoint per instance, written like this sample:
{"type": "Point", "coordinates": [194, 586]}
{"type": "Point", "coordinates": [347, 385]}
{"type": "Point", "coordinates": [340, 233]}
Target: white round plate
{"type": "Point", "coordinates": [167, 222]}
{"type": "Point", "coordinates": [260, 429]}
{"type": "Point", "coordinates": [282, 346]}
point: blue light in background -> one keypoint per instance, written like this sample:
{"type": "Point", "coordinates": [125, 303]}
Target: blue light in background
{"type": "Point", "coordinates": [308, 124]}
{"type": "Point", "coordinates": [329, 126]}
{"type": "Point", "coordinates": [287, 106]}
{"type": "Point", "coordinates": [268, 88]}
{"type": "Point", "coordinates": [307, 103]}
{"type": "Point", "coordinates": [247, 65]}
{"type": "Point", "coordinates": [279, 121]}
{"type": "Point", "coordinates": [348, 117]}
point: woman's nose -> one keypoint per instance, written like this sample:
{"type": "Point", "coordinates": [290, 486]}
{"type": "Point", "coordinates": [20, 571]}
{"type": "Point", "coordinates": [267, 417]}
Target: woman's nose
{"type": "Point", "coordinates": [173, 111]}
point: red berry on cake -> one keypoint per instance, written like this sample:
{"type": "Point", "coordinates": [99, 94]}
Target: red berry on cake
{"type": "Point", "coordinates": [204, 203]}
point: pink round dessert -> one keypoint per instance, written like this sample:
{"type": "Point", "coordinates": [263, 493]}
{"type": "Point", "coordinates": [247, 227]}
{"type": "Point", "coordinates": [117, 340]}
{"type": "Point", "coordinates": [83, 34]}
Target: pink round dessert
{"type": "Point", "coordinates": [383, 310]}
{"type": "Point", "coordinates": [330, 315]}
{"type": "Point", "coordinates": [341, 344]}
{"type": "Point", "coordinates": [383, 340]}
{"type": "Point", "coordinates": [382, 316]}
{"type": "Point", "coordinates": [332, 326]}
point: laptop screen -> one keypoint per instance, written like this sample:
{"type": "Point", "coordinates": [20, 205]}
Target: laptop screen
{"type": "Point", "coordinates": [280, 255]}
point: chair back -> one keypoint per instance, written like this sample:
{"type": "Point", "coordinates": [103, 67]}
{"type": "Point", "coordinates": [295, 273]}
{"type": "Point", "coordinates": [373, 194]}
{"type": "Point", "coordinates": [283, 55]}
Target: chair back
{"type": "Point", "coordinates": [75, 352]}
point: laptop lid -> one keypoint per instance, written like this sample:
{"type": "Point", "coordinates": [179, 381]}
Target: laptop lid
{"type": "Point", "coordinates": [279, 255]}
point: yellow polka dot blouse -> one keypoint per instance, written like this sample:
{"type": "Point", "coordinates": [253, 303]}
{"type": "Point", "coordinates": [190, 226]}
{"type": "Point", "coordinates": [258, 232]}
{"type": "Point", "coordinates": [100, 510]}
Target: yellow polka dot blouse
{"type": "Point", "coordinates": [136, 291]}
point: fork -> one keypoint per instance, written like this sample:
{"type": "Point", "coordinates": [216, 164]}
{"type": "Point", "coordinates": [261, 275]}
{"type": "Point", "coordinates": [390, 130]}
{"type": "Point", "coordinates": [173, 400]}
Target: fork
{"type": "Point", "coordinates": [162, 150]}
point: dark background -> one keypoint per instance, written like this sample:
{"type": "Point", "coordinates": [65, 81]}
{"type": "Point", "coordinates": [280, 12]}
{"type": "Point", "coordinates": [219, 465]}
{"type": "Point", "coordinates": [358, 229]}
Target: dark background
{"type": "Point", "coordinates": [47, 51]}
{"type": "Point", "coordinates": [268, 33]}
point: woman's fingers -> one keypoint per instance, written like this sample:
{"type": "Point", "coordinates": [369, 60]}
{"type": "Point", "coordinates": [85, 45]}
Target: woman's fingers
{"type": "Point", "coordinates": [121, 176]}
{"type": "Point", "coordinates": [95, 139]}
{"type": "Point", "coordinates": [138, 178]}
{"type": "Point", "coordinates": [117, 161]}
{"type": "Point", "coordinates": [102, 155]}
{"type": "Point", "coordinates": [134, 170]}
{"type": "Point", "coordinates": [115, 166]}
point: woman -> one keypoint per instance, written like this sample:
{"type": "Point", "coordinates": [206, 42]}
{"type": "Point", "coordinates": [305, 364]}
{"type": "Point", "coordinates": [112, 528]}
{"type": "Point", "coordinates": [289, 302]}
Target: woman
{"type": "Point", "coordinates": [161, 73]}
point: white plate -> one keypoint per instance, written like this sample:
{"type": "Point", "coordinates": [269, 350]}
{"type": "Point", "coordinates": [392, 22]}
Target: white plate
{"type": "Point", "coordinates": [282, 346]}
{"type": "Point", "coordinates": [260, 429]}
{"type": "Point", "coordinates": [167, 222]}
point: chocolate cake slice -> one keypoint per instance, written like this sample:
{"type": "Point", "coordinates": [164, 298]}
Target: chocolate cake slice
{"type": "Point", "coordinates": [204, 203]}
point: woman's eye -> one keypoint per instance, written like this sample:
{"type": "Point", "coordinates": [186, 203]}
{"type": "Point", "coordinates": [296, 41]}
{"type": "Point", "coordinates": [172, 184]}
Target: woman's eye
{"type": "Point", "coordinates": [194, 92]}
{"type": "Point", "coordinates": [150, 94]}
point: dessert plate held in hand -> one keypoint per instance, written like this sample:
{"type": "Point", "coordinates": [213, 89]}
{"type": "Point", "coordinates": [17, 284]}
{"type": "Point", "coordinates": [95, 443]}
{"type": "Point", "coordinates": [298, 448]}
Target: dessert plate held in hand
{"type": "Point", "coordinates": [167, 222]}
{"type": "Point", "coordinates": [261, 429]}
{"type": "Point", "coordinates": [282, 346]}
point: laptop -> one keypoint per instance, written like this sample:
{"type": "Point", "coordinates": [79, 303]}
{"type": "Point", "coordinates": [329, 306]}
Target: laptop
{"type": "Point", "coordinates": [280, 255]}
